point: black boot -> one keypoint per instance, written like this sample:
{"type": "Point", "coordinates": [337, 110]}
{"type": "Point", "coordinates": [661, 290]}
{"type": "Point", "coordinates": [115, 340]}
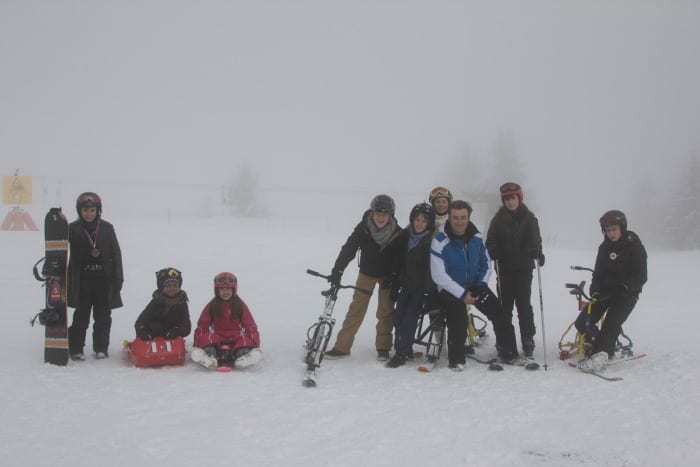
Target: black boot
{"type": "Point", "coordinates": [528, 346]}
{"type": "Point", "coordinates": [396, 361]}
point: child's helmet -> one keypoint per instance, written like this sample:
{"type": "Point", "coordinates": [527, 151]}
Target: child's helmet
{"type": "Point", "coordinates": [89, 200]}
{"type": "Point", "coordinates": [226, 280]}
{"type": "Point", "coordinates": [613, 217]}
{"type": "Point", "coordinates": [511, 188]}
{"type": "Point", "coordinates": [166, 275]}
{"type": "Point", "coordinates": [383, 203]}
{"type": "Point", "coordinates": [439, 192]}
{"type": "Point", "coordinates": [425, 209]}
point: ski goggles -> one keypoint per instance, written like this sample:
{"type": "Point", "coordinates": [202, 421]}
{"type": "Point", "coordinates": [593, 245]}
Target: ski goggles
{"type": "Point", "coordinates": [225, 281]}
{"type": "Point", "coordinates": [440, 192]}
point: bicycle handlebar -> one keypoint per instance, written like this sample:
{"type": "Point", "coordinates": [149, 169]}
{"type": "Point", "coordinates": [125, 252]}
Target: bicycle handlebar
{"type": "Point", "coordinates": [338, 286]}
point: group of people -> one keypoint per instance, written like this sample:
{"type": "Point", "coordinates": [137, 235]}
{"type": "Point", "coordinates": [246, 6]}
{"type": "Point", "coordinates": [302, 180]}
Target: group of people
{"type": "Point", "coordinates": [439, 260]}
{"type": "Point", "coordinates": [226, 333]}
{"type": "Point", "coordinates": [442, 260]}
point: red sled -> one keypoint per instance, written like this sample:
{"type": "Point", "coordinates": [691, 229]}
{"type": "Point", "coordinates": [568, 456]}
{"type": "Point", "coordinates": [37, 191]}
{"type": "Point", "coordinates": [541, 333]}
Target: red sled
{"type": "Point", "coordinates": [156, 352]}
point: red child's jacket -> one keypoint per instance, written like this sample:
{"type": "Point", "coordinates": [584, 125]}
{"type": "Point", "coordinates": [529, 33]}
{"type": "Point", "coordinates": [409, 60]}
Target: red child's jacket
{"type": "Point", "coordinates": [212, 330]}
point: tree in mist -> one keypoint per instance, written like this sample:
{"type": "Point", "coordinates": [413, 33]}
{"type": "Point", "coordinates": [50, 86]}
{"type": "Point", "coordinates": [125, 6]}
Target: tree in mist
{"type": "Point", "coordinates": [465, 175]}
{"type": "Point", "coordinates": [646, 198]}
{"type": "Point", "coordinates": [241, 194]}
{"type": "Point", "coordinates": [683, 226]}
{"type": "Point", "coordinates": [505, 162]}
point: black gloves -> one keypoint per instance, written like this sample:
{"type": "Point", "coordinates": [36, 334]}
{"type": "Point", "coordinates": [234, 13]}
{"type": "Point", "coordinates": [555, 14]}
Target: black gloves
{"type": "Point", "coordinates": [144, 333]}
{"type": "Point", "coordinates": [538, 256]}
{"type": "Point", "coordinates": [210, 350]}
{"type": "Point", "coordinates": [335, 276]}
{"type": "Point", "coordinates": [172, 333]}
{"type": "Point", "coordinates": [595, 295]}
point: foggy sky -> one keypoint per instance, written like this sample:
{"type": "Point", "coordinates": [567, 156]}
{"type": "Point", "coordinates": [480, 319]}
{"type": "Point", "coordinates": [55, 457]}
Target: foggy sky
{"type": "Point", "coordinates": [370, 96]}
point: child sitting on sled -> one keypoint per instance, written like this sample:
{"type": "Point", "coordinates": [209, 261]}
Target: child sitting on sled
{"type": "Point", "coordinates": [162, 325]}
{"type": "Point", "coordinates": [226, 332]}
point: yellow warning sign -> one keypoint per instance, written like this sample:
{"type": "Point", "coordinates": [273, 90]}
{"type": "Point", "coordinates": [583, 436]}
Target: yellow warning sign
{"type": "Point", "coordinates": [17, 190]}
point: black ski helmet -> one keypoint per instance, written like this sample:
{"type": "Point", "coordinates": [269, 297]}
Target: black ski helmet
{"type": "Point", "coordinates": [614, 217]}
{"type": "Point", "coordinates": [425, 209]}
{"type": "Point", "coordinates": [88, 200]}
{"type": "Point", "coordinates": [166, 275]}
{"type": "Point", "coordinates": [383, 203]}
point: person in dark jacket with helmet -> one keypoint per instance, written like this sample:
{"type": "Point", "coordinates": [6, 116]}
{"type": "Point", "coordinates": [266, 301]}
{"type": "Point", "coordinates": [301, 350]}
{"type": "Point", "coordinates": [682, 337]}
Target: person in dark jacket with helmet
{"type": "Point", "coordinates": [167, 314]}
{"type": "Point", "coordinates": [412, 280]}
{"type": "Point", "coordinates": [95, 277]}
{"type": "Point", "coordinates": [375, 236]}
{"type": "Point", "coordinates": [514, 243]}
{"type": "Point", "coordinates": [618, 276]}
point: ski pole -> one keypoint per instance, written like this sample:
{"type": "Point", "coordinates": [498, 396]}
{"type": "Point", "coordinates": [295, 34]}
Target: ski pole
{"type": "Point", "coordinates": [544, 339]}
{"type": "Point", "coordinates": [498, 281]}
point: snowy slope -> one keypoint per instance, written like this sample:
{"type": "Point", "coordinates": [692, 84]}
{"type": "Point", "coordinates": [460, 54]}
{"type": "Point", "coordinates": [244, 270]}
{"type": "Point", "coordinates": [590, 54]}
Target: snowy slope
{"type": "Point", "coordinates": [108, 413]}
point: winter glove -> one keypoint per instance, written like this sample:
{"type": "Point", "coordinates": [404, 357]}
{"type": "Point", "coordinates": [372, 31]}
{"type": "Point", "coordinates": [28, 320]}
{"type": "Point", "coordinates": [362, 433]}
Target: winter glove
{"type": "Point", "coordinates": [210, 350]}
{"type": "Point", "coordinates": [172, 333]}
{"type": "Point", "coordinates": [595, 295]}
{"type": "Point", "coordinates": [335, 276]}
{"type": "Point", "coordinates": [541, 259]}
{"type": "Point", "coordinates": [144, 333]}
{"type": "Point", "coordinates": [388, 282]}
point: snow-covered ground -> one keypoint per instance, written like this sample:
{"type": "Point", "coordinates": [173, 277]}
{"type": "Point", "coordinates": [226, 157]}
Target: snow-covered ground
{"type": "Point", "coordinates": [108, 413]}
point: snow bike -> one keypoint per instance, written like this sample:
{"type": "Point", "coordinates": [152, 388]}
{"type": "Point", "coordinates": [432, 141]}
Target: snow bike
{"type": "Point", "coordinates": [579, 343]}
{"type": "Point", "coordinates": [430, 333]}
{"type": "Point", "coordinates": [319, 333]}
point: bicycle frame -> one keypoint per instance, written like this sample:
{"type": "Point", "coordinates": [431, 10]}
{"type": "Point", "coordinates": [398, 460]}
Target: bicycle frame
{"type": "Point", "coordinates": [318, 334]}
{"type": "Point", "coordinates": [579, 345]}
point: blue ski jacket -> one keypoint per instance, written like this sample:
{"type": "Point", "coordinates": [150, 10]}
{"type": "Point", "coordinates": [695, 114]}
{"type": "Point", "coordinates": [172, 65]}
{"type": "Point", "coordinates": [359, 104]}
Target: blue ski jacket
{"type": "Point", "coordinates": [459, 264]}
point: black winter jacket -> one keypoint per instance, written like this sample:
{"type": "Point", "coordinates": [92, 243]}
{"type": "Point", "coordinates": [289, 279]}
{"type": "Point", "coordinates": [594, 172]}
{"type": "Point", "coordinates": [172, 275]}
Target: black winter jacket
{"type": "Point", "coordinates": [110, 259]}
{"type": "Point", "coordinates": [374, 260]}
{"type": "Point", "coordinates": [413, 266]}
{"type": "Point", "coordinates": [514, 239]}
{"type": "Point", "coordinates": [620, 267]}
{"type": "Point", "coordinates": [163, 315]}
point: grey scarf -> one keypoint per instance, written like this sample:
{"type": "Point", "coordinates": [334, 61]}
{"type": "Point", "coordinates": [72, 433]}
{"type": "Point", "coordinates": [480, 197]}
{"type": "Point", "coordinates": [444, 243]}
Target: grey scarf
{"type": "Point", "coordinates": [414, 238]}
{"type": "Point", "coordinates": [382, 236]}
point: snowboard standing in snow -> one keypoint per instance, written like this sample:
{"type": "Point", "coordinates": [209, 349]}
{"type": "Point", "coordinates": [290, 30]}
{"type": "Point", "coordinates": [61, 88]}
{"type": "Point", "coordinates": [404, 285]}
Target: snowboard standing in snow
{"type": "Point", "coordinates": [53, 274]}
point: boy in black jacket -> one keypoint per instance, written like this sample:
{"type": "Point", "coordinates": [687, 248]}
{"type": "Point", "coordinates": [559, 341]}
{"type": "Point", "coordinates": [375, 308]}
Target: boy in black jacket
{"type": "Point", "coordinates": [375, 237]}
{"type": "Point", "coordinates": [412, 281]}
{"type": "Point", "coordinates": [95, 276]}
{"type": "Point", "coordinates": [167, 314]}
{"type": "Point", "coordinates": [619, 274]}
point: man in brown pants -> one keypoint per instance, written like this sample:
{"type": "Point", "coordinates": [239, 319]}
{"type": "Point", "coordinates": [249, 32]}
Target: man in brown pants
{"type": "Point", "coordinates": [375, 237]}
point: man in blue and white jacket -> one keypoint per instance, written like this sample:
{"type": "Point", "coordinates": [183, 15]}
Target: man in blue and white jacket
{"type": "Point", "coordinates": [460, 267]}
